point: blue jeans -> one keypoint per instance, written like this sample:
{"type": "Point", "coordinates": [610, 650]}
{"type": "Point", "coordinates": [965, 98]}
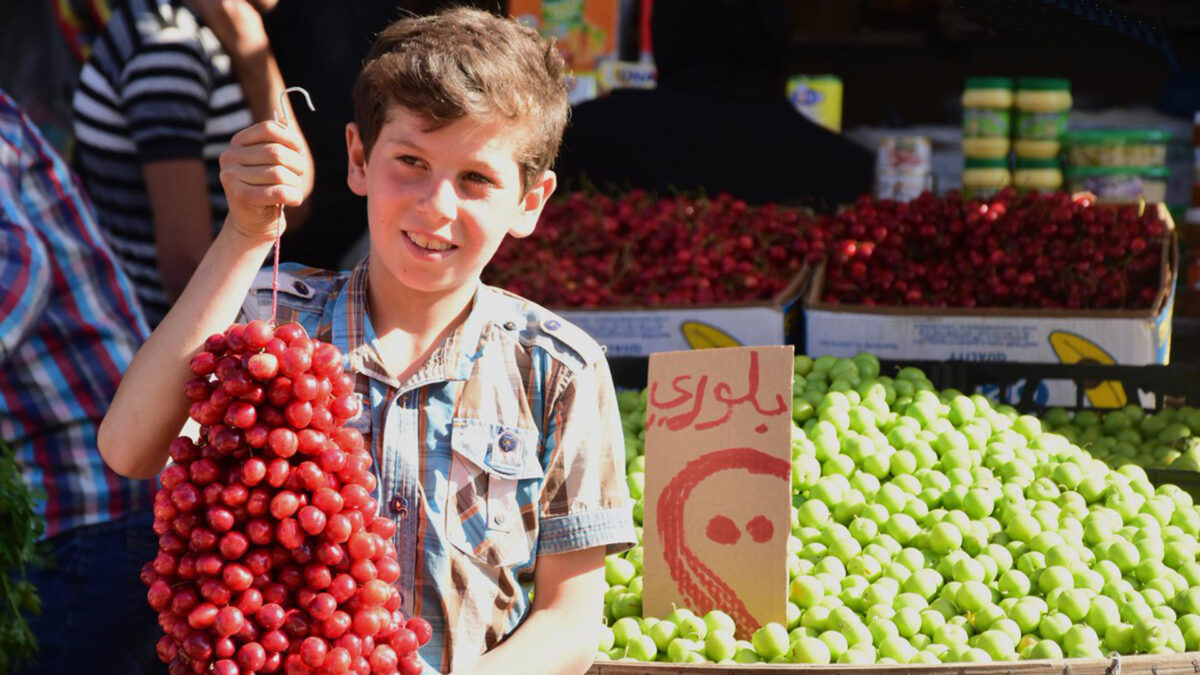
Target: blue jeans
{"type": "Point", "coordinates": [95, 618]}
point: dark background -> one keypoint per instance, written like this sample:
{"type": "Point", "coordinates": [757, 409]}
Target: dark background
{"type": "Point", "coordinates": [903, 61]}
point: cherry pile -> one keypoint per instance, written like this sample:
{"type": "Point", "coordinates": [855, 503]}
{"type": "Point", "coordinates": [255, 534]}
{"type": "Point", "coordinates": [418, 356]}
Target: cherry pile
{"type": "Point", "coordinates": [596, 250]}
{"type": "Point", "coordinates": [271, 556]}
{"type": "Point", "coordinates": [1037, 250]}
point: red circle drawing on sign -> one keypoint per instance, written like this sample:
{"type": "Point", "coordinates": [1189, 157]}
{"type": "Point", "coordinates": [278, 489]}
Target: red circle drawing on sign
{"type": "Point", "coordinates": [722, 530]}
{"type": "Point", "coordinates": [701, 588]}
{"type": "Point", "coordinates": [761, 529]}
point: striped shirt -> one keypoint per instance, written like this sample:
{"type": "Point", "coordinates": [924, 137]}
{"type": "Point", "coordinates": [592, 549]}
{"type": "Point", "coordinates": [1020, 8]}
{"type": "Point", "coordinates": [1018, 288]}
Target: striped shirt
{"type": "Point", "coordinates": [69, 326]}
{"type": "Point", "coordinates": [504, 446]}
{"type": "Point", "coordinates": [158, 86]}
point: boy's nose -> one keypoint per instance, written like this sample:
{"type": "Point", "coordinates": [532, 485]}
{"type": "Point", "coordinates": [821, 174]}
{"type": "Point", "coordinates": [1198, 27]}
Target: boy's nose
{"type": "Point", "coordinates": [440, 202]}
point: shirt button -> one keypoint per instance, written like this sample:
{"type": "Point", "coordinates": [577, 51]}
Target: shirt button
{"type": "Point", "coordinates": [508, 441]}
{"type": "Point", "coordinates": [301, 288]}
{"type": "Point", "coordinates": [508, 325]}
{"type": "Point", "coordinates": [552, 324]}
{"type": "Point", "coordinates": [400, 506]}
{"type": "Point", "coordinates": [498, 519]}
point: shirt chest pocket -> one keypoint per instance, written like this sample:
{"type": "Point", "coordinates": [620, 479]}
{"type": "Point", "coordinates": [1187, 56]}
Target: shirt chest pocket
{"type": "Point", "coordinates": [494, 469]}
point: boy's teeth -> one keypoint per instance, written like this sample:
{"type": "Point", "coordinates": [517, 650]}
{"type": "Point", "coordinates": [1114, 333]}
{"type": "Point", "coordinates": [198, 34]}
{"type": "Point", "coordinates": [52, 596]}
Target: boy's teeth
{"type": "Point", "coordinates": [427, 243]}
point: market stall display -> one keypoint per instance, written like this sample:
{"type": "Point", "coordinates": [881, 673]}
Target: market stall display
{"type": "Point", "coordinates": [1043, 250]}
{"type": "Point", "coordinates": [636, 249]}
{"type": "Point", "coordinates": [935, 527]}
{"type": "Point", "coordinates": [1166, 439]}
{"type": "Point", "coordinates": [641, 273]}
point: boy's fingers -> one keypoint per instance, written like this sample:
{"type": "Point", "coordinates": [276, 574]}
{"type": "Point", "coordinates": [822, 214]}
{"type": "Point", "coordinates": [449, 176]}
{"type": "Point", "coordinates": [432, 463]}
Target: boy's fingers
{"type": "Point", "coordinates": [261, 175]}
{"type": "Point", "coordinates": [250, 194]}
{"type": "Point", "coordinates": [288, 195]}
{"type": "Point", "coordinates": [268, 132]}
{"type": "Point", "coordinates": [268, 154]}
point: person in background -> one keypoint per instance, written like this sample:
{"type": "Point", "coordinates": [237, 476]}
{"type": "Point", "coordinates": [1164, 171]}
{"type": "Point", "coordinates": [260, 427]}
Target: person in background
{"type": "Point", "coordinates": [719, 119]}
{"type": "Point", "coordinates": [168, 84]}
{"type": "Point", "coordinates": [69, 326]}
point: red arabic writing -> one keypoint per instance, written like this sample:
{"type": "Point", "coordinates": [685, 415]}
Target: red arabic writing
{"type": "Point", "coordinates": [722, 392]}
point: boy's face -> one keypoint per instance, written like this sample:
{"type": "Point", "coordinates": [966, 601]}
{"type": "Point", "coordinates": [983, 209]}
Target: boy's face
{"type": "Point", "coordinates": [440, 202]}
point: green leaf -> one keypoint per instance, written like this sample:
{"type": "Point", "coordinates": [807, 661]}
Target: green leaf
{"type": "Point", "coordinates": [20, 548]}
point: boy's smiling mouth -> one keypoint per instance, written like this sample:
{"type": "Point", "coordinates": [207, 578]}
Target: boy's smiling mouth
{"type": "Point", "coordinates": [428, 243]}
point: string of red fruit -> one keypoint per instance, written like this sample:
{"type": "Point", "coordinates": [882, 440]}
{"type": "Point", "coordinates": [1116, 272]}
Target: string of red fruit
{"type": "Point", "coordinates": [271, 555]}
{"type": "Point", "coordinates": [635, 249]}
{"type": "Point", "coordinates": [1037, 250]}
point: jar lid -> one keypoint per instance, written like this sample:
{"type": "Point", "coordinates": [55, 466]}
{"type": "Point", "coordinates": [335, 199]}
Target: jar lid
{"type": "Point", "coordinates": [1158, 172]}
{"type": "Point", "coordinates": [987, 163]}
{"type": "Point", "coordinates": [989, 83]}
{"type": "Point", "coordinates": [1025, 163]}
{"type": "Point", "coordinates": [1116, 136]}
{"type": "Point", "coordinates": [823, 77]}
{"type": "Point", "coordinates": [1044, 83]}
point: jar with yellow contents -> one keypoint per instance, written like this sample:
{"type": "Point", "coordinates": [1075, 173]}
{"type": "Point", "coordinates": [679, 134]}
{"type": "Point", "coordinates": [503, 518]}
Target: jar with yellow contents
{"type": "Point", "coordinates": [1043, 104]}
{"type": "Point", "coordinates": [987, 117]}
{"type": "Point", "coordinates": [983, 178]}
{"type": "Point", "coordinates": [1043, 175]}
{"type": "Point", "coordinates": [987, 107]}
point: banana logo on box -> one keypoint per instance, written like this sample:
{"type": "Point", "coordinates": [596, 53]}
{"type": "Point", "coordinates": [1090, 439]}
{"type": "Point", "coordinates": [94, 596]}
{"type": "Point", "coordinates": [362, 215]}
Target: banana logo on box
{"type": "Point", "coordinates": [1072, 348]}
{"type": "Point", "coordinates": [703, 336]}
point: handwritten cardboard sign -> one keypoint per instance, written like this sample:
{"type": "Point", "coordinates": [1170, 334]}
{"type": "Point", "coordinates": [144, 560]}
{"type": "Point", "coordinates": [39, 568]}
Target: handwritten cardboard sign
{"type": "Point", "coordinates": [718, 483]}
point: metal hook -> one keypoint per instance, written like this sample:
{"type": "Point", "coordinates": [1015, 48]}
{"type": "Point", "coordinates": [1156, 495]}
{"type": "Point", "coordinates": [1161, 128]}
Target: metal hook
{"type": "Point", "coordinates": [281, 116]}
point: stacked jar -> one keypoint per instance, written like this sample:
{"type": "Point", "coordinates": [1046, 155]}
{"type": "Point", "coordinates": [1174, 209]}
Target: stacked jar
{"type": "Point", "coordinates": [987, 125]}
{"type": "Point", "coordinates": [1118, 165]}
{"type": "Point", "coordinates": [1042, 107]}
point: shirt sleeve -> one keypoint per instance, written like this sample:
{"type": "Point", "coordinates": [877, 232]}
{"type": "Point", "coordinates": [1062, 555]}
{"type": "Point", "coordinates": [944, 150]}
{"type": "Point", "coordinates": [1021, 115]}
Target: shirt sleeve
{"type": "Point", "coordinates": [24, 263]}
{"type": "Point", "coordinates": [165, 93]}
{"type": "Point", "coordinates": [586, 502]}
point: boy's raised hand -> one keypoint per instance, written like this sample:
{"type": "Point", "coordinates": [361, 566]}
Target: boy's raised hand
{"type": "Point", "coordinates": [264, 167]}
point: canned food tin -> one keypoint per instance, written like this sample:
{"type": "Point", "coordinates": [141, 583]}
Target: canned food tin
{"type": "Point", "coordinates": [819, 98]}
{"type": "Point", "coordinates": [905, 155]}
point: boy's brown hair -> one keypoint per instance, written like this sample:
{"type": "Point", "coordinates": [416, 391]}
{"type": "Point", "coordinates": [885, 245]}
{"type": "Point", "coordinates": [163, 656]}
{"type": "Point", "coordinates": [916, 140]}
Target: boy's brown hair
{"type": "Point", "coordinates": [466, 62]}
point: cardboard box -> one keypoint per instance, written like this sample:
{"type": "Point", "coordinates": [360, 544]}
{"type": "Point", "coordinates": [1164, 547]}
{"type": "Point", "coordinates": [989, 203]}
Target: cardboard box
{"type": "Point", "coordinates": [1126, 337]}
{"type": "Point", "coordinates": [641, 331]}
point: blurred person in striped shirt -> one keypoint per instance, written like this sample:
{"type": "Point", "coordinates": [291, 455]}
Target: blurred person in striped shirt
{"type": "Point", "coordinates": [69, 326]}
{"type": "Point", "coordinates": [168, 83]}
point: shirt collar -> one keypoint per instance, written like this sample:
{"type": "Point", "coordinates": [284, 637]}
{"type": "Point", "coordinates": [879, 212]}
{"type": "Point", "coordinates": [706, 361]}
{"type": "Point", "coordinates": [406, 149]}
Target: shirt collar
{"type": "Point", "coordinates": [453, 359]}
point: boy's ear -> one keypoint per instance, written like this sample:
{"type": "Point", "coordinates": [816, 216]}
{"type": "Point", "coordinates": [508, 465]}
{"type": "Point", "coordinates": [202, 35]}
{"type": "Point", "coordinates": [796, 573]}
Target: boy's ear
{"type": "Point", "coordinates": [356, 177]}
{"type": "Point", "coordinates": [532, 204]}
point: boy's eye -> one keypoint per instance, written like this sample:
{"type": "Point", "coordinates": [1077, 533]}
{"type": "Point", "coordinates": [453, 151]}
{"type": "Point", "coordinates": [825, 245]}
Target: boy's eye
{"type": "Point", "coordinates": [410, 160]}
{"type": "Point", "coordinates": [476, 177]}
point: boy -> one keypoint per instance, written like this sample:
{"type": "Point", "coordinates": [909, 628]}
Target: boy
{"type": "Point", "coordinates": [493, 423]}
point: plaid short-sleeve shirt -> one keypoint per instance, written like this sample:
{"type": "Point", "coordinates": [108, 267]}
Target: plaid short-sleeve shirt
{"type": "Point", "coordinates": [505, 446]}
